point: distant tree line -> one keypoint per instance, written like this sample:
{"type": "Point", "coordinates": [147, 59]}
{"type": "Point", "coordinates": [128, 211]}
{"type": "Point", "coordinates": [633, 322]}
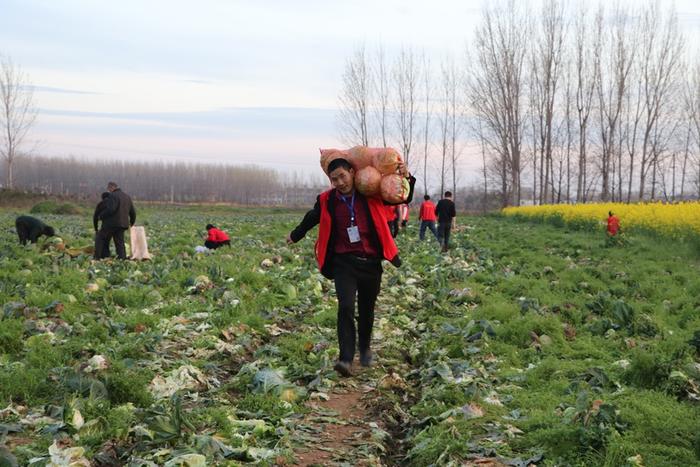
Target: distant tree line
{"type": "Point", "coordinates": [561, 103]}
{"type": "Point", "coordinates": [164, 181]}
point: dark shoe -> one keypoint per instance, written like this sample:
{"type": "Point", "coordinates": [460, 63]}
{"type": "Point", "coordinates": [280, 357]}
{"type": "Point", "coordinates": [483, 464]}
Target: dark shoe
{"type": "Point", "coordinates": [343, 368]}
{"type": "Point", "coordinates": [444, 248]}
{"type": "Point", "coordinates": [366, 358]}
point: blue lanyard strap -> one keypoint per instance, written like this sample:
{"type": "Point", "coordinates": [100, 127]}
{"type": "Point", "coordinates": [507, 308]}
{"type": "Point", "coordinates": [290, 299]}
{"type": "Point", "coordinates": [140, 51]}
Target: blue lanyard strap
{"type": "Point", "coordinates": [351, 207]}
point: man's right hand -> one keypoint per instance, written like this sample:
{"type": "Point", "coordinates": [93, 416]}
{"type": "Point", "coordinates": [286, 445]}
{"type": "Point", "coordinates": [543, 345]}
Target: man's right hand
{"type": "Point", "coordinates": [289, 239]}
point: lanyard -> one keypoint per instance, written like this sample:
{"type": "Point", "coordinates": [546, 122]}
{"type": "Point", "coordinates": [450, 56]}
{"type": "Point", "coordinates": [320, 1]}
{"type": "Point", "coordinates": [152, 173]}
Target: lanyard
{"type": "Point", "coordinates": [351, 207]}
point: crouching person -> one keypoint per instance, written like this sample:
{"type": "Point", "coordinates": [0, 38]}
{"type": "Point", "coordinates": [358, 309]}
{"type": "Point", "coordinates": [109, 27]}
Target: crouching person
{"type": "Point", "coordinates": [216, 238]}
{"type": "Point", "coordinates": [30, 229]}
{"type": "Point", "coordinates": [353, 238]}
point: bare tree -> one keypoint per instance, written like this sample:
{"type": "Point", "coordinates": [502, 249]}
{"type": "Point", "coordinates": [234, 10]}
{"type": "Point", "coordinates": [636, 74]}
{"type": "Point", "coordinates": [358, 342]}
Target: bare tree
{"type": "Point", "coordinates": [496, 90]}
{"type": "Point", "coordinates": [686, 154]}
{"type": "Point", "coordinates": [455, 118]}
{"type": "Point", "coordinates": [446, 86]}
{"type": "Point", "coordinates": [427, 89]}
{"type": "Point", "coordinates": [484, 168]}
{"type": "Point", "coordinates": [406, 76]}
{"type": "Point", "coordinates": [17, 114]}
{"type": "Point", "coordinates": [634, 112]}
{"type": "Point", "coordinates": [545, 62]}
{"type": "Point", "coordinates": [662, 46]}
{"type": "Point", "coordinates": [692, 104]}
{"type": "Point", "coordinates": [534, 151]}
{"type": "Point", "coordinates": [613, 63]}
{"type": "Point", "coordinates": [568, 124]}
{"type": "Point", "coordinates": [585, 89]}
{"type": "Point", "coordinates": [355, 99]}
{"type": "Point", "coordinates": [382, 88]}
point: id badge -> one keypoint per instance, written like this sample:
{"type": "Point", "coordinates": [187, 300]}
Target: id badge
{"type": "Point", "coordinates": [353, 234]}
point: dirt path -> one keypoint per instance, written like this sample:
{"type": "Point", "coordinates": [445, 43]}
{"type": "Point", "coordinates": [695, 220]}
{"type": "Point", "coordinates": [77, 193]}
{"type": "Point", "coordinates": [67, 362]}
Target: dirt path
{"type": "Point", "coordinates": [336, 428]}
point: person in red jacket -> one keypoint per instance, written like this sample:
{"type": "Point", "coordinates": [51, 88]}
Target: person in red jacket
{"type": "Point", "coordinates": [216, 238]}
{"type": "Point", "coordinates": [405, 211]}
{"type": "Point", "coordinates": [392, 219]}
{"type": "Point", "coordinates": [427, 217]}
{"type": "Point", "coordinates": [353, 238]}
{"type": "Point", "coordinates": [613, 224]}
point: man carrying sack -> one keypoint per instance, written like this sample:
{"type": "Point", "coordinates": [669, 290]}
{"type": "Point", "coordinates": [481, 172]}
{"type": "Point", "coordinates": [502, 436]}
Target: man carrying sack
{"type": "Point", "coordinates": [353, 238]}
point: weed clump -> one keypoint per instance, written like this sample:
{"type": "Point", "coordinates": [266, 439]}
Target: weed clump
{"type": "Point", "coordinates": [11, 336]}
{"type": "Point", "coordinates": [657, 370]}
{"type": "Point", "coordinates": [126, 385]}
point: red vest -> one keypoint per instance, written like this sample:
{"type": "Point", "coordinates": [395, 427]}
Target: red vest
{"type": "Point", "coordinates": [376, 211]}
{"type": "Point", "coordinates": [216, 235]}
{"type": "Point", "coordinates": [427, 211]}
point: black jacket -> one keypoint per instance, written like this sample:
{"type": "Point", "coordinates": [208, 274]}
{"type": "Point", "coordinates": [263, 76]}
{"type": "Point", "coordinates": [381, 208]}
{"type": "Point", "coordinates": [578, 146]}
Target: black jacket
{"type": "Point", "coordinates": [101, 206]}
{"type": "Point", "coordinates": [313, 217]}
{"type": "Point", "coordinates": [33, 228]}
{"type": "Point", "coordinates": [445, 210]}
{"type": "Point", "coordinates": [119, 211]}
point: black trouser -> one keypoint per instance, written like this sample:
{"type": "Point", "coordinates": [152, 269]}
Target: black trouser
{"type": "Point", "coordinates": [105, 249]}
{"type": "Point", "coordinates": [361, 278]}
{"type": "Point", "coordinates": [444, 229]}
{"type": "Point", "coordinates": [394, 227]}
{"type": "Point", "coordinates": [214, 245]}
{"type": "Point", "coordinates": [104, 235]}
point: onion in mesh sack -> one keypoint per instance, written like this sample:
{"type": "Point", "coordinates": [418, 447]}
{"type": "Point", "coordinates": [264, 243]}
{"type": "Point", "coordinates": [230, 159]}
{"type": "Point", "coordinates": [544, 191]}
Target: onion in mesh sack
{"type": "Point", "coordinates": [361, 156]}
{"type": "Point", "coordinates": [386, 160]}
{"type": "Point", "coordinates": [395, 188]}
{"type": "Point", "coordinates": [328, 155]}
{"type": "Point", "coordinates": [368, 181]}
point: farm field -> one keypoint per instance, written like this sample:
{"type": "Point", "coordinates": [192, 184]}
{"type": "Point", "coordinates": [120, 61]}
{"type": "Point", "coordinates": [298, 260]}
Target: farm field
{"type": "Point", "coordinates": [526, 344]}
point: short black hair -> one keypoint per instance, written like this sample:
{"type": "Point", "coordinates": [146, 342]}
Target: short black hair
{"type": "Point", "coordinates": [339, 163]}
{"type": "Point", "coordinates": [448, 194]}
{"type": "Point", "coordinates": [209, 226]}
{"type": "Point", "coordinates": [105, 195]}
{"type": "Point", "coordinates": [49, 231]}
{"type": "Point", "coordinates": [426, 197]}
{"type": "Point", "coordinates": [610, 213]}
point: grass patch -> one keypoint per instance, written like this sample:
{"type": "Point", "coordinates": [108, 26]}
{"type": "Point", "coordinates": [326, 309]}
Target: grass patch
{"type": "Point", "coordinates": [53, 207]}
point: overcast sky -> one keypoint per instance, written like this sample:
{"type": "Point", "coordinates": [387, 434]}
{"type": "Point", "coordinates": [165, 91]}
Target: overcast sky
{"type": "Point", "coordinates": [214, 80]}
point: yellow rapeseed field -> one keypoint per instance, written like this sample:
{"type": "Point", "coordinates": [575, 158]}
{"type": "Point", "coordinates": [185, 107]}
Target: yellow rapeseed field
{"type": "Point", "coordinates": [679, 220]}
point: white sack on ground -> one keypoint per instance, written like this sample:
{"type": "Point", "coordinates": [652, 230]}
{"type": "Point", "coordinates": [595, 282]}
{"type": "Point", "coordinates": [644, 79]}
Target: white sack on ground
{"type": "Point", "coordinates": [139, 246]}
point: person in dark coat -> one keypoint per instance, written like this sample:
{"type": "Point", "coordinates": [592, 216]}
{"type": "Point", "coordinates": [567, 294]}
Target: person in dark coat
{"type": "Point", "coordinates": [445, 212]}
{"type": "Point", "coordinates": [30, 229]}
{"type": "Point", "coordinates": [101, 206]}
{"type": "Point", "coordinates": [119, 214]}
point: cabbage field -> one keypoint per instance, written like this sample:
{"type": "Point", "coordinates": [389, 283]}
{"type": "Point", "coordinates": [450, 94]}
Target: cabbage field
{"type": "Point", "coordinates": [526, 344]}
